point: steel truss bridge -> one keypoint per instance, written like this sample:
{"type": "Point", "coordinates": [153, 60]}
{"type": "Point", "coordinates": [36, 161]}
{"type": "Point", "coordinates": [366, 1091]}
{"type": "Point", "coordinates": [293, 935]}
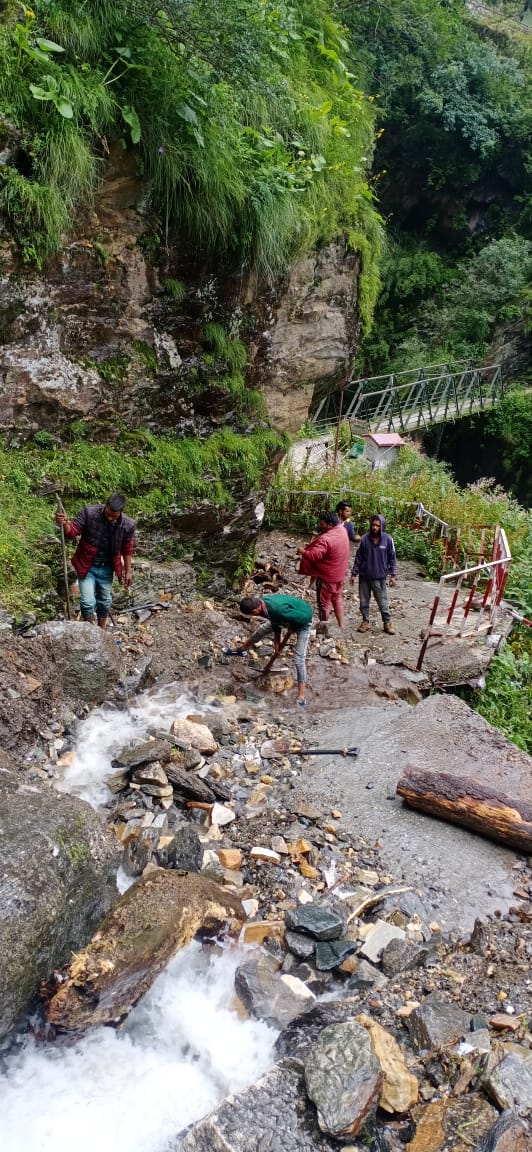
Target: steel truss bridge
{"type": "Point", "coordinates": [415, 398]}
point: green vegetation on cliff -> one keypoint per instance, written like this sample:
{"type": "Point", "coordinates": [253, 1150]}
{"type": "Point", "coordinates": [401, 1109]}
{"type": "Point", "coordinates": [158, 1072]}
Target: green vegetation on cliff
{"type": "Point", "coordinates": [155, 474]}
{"type": "Point", "coordinates": [248, 129]}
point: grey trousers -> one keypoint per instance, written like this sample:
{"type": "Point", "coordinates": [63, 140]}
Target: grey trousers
{"type": "Point", "coordinates": [380, 592]}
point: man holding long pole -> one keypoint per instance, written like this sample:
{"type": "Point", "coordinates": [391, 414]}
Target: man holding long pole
{"type": "Point", "coordinates": [105, 550]}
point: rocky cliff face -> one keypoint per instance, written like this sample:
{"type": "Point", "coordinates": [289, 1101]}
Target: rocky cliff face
{"type": "Point", "coordinates": [312, 334]}
{"type": "Point", "coordinates": [113, 330]}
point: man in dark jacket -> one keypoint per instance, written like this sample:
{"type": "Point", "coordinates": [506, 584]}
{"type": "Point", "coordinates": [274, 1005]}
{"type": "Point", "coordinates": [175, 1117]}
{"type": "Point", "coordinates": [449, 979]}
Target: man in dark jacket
{"type": "Point", "coordinates": [375, 562]}
{"type": "Point", "coordinates": [279, 612]}
{"type": "Point", "coordinates": [344, 512]}
{"type": "Point", "coordinates": [104, 550]}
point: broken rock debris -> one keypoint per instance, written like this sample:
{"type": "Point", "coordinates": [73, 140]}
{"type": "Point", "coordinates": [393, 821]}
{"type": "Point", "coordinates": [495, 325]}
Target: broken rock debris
{"type": "Point", "coordinates": [398, 1051]}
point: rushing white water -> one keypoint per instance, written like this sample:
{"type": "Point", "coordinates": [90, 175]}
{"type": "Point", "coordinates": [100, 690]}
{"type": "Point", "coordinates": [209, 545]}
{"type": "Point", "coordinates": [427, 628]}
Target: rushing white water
{"type": "Point", "coordinates": [181, 1051]}
{"type": "Point", "coordinates": [107, 731]}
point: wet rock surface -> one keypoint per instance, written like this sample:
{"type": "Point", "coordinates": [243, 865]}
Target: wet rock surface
{"type": "Point", "coordinates": [57, 880]}
{"type": "Point", "coordinates": [343, 1079]}
{"type": "Point", "coordinates": [508, 1134]}
{"type": "Point", "coordinates": [87, 659]}
{"type": "Point", "coordinates": [273, 1114]}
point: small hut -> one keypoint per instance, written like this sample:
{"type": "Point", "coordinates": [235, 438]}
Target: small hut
{"type": "Point", "coordinates": [381, 448]}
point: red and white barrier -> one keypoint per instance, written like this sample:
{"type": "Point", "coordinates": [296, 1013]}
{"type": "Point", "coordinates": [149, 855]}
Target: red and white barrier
{"type": "Point", "coordinates": [466, 602]}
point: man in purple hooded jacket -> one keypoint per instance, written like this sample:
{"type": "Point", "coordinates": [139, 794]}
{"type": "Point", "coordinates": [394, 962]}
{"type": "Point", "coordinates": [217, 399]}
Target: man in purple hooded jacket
{"type": "Point", "coordinates": [375, 562]}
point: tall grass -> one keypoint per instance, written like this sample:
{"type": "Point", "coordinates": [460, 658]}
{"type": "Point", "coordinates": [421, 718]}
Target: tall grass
{"type": "Point", "coordinates": [251, 134]}
{"type": "Point", "coordinates": [411, 479]}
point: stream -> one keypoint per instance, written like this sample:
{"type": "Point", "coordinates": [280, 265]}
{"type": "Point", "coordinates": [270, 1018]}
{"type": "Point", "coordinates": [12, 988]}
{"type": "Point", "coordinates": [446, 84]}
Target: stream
{"type": "Point", "coordinates": [181, 1050]}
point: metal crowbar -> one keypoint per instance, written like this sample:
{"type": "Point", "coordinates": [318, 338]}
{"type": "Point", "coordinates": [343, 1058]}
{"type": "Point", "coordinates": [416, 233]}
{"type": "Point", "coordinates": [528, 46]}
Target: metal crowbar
{"type": "Point", "coordinates": [328, 752]}
{"type": "Point", "coordinates": [272, 749]}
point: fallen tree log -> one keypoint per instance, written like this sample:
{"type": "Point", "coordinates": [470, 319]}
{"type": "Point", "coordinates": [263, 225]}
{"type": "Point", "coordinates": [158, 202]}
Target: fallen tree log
{"type": "Point", "coordinates": [466, 800]}
{"type": "Point", "coordinates": [155, 918]}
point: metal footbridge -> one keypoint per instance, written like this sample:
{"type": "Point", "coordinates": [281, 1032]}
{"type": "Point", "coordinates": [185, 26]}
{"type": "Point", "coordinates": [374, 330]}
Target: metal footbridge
{"type": "Point", "coordinates": [413, 399]}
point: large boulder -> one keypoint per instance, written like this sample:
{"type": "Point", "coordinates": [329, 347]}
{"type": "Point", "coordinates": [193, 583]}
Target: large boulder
{"type": "Point", "coordinates": [57, 880]}
{"type": "Point", "coordinates": [87, 659]}
{"type": "Point", "coordinates": [274, 1114]}
{"type": "Point", "coordinates": [311, 335]}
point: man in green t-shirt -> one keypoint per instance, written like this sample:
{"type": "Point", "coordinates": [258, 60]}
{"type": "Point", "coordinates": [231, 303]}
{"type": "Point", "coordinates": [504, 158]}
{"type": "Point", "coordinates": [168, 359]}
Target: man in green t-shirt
{"type": "Point", "coordinates": [289, 612]}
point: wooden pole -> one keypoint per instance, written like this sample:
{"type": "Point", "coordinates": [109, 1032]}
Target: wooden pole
{"type": "Point", "coordinates": [337, 437]}
{"type": "Point", "coordinates": [61, 509]}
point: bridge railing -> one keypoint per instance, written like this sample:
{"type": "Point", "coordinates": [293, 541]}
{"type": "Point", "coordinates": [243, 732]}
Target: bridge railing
{"type": "Point", "coordinates": [462, 546]}
{"type": "Point", "coordinates": [466, 602]}
{"type": "Point", "coordinates": [328, 409]}
{"type": "Point", "coordinates": [301, 507]}
{"type": "Point", "coordinates": [404, 401]}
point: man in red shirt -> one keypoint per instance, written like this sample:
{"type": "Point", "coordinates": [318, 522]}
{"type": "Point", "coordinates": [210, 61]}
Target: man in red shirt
{"type": "Point", "coordinates": [327, 558]}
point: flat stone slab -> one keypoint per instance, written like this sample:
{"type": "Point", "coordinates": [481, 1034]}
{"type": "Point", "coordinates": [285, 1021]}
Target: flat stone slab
{"type": "Point", "coordinates": [331, 953]}
{"type": "Point", "coordinates": [379, 937]}
{"type": "Point", "coordinates": [273, 1114]}
{"type": "Point", "coordinates": [145, 753]}
{"type": "Point", "coordinates": [316, 921]}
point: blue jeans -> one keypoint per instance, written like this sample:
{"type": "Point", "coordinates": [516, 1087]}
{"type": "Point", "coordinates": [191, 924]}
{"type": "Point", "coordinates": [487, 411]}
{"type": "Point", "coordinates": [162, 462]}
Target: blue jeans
{"type": "Point", "coordinates": [96, 593]}
{"type": "Point", "coordinates": [300, 651]}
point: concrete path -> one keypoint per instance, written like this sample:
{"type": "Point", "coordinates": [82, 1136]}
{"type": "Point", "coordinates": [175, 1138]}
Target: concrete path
{"type": "Point", "coordinates": [463, 874]}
